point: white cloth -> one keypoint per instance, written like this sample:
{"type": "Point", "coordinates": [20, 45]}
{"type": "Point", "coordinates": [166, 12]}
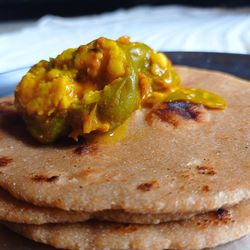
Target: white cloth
{"type": "Point", "coordinates": [165, 28]}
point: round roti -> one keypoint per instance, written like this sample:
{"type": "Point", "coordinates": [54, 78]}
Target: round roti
{"type": "Point", "coordinates": [18, 211]}
{"type": "Point", "coordinates": [208, 230]}
{"type": "Point", "coordinates": [183, 159]}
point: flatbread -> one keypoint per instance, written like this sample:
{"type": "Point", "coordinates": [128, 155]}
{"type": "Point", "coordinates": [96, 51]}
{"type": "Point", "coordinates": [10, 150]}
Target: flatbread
{"type": "Point", "coordinates": [12, 241]}
{"type": "Point", "coordinates": [175, 166]}
{"type": "Point", "coordinates": [200, 232]}
{"type": "Point", "coordinates": [18, 211]}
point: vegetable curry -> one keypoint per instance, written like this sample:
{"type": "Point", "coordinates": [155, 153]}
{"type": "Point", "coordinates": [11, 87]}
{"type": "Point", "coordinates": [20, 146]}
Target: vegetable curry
{"type": "Point", "coordinates": [97, 87]}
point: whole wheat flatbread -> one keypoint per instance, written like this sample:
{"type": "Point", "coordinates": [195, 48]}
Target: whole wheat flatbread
{"type": "Point", "coordinates": [200, 232]}
{"type": "Point", "coordinates": [160, 168]}
{"type": "Point", "coordinates": [18, 211]}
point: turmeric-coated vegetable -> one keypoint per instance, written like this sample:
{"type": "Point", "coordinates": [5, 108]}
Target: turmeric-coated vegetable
{"type": "Point", "coordinates": [97, 87]}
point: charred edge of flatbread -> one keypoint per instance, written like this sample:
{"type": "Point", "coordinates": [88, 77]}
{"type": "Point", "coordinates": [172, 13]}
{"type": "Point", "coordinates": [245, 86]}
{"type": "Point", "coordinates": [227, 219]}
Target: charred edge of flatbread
{"type": "Point", "coordinates": [178, 113]}
{"type": "Point", "coordinates": [86, 148]}
{"type": "Point", "coordinates": [42, 178]}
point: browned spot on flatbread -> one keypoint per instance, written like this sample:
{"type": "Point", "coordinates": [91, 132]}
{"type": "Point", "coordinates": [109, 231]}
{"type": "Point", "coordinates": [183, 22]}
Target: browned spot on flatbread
{"type": "Point", "coordinates": [42, 178]}
{"type": "Point", "coordinates": [86, 148]}
{"type": "Point", "coordinates": [92, 175]}
{"type": "Point", "coordinates": [185, 174]}
{"type": "Point", "coordinates": [218, 217]}
{"type": "Point", "coordinates": [125, 229]}
{"type": "Point", "coordinates": [87, 172]}
{"type": "Point", "coordinates": [205, 188]}
{"type": "Point", "coordinates": [177, 113]}
{"type": "Point", "coordinates": [205, 170]}
{"type": "Point", "coordinates": [222, 214]}
{"type": "Point", "coordinates": [57, 203]}
{"type": "Point", "coordinates": [203, 223]}
{"type": "Point", "coordinates": [145, 187]}
{"type": "Point", "coordinates": [4, 161]}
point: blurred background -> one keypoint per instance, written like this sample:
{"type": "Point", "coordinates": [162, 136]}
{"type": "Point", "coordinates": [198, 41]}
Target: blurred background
{"type": "Point", "coordinates": [23, 9]}
{"type": "Point", "coordinates": [31, 30]}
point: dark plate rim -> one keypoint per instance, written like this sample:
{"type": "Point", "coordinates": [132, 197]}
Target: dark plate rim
{"type": "Point", "coordinates": [166, 52]}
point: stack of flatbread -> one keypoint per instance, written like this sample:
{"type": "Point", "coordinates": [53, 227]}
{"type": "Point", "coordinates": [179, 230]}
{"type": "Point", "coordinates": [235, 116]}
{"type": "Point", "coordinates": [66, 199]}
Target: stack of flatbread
{"type": "Point", "coordinates": [178, 178]}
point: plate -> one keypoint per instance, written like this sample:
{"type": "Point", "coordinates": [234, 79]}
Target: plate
{"type": "Point", "coordinates": [235, 64]}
